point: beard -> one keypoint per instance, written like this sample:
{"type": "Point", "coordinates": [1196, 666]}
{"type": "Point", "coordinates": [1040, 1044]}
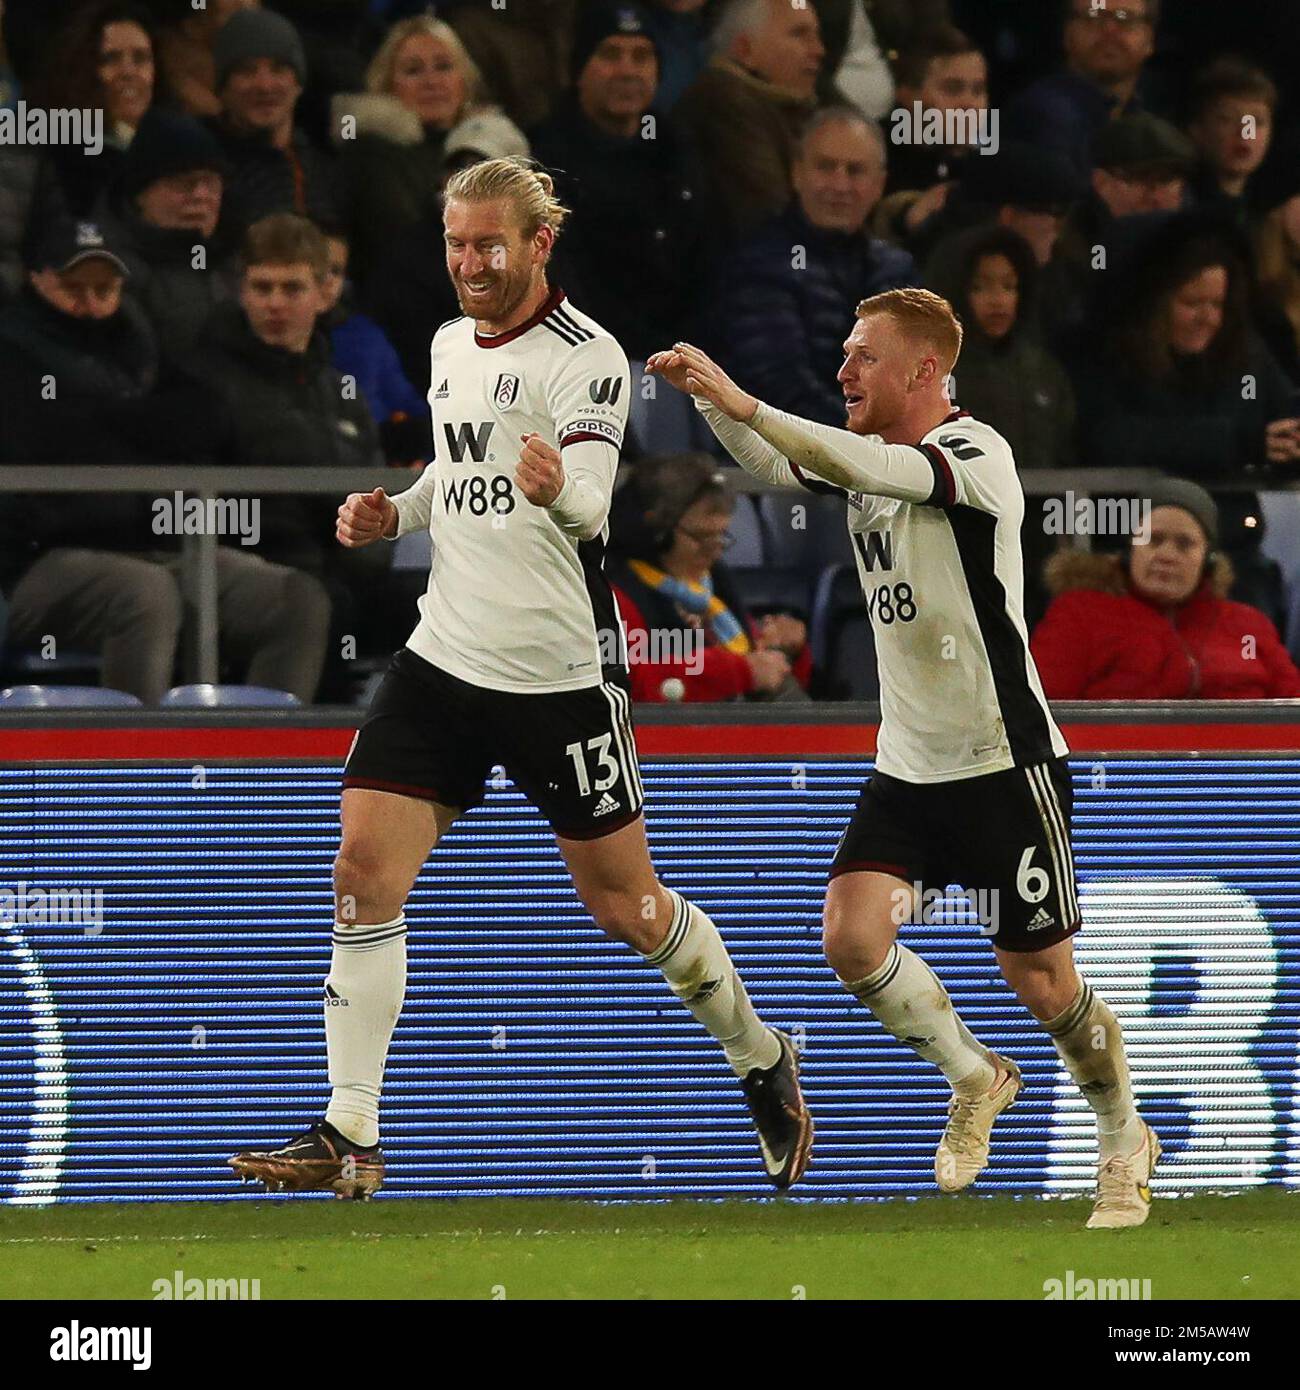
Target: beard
{"type": "Point", "coordinates": [507, 293]}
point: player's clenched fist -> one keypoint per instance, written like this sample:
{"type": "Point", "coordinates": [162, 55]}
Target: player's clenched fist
{"type": "Point", "coordinates": [540, 474]}
{"type": "Point", "coordinates": [365, 517]}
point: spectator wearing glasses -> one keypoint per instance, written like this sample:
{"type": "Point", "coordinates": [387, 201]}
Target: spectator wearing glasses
{"type": "Point", "coordinates": [1107, 44]}
{"type": "Point", "coordinates": [164, 209]}
{"type": "Point", "coordinates": [678, 603]}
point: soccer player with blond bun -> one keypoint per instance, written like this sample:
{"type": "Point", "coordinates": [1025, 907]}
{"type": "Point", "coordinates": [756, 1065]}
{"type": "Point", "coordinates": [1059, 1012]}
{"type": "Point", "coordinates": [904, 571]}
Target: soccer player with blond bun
{"type": "Point", "coordinates": [509, 664]}
{"type": "Point", "coordinates": [971, 783]}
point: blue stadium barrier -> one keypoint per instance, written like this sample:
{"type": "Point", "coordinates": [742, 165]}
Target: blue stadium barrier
{"type": "Point", "coordinates": [183, 1019]}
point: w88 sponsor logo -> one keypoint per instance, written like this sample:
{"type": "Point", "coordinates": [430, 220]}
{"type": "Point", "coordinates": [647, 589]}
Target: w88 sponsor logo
{"type": "Point", "coordinates": [478, 495]}
{"type": "Point", "coordinates": [891, 602]}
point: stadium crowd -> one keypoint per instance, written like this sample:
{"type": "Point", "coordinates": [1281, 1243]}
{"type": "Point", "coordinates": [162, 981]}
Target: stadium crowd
{"type": "Point", "coordinates": [251, 270]}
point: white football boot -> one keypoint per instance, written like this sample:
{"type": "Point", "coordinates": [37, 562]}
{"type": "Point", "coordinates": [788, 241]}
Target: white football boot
{"type": "Point", "coordinates": [963, 1152]}
{"type": "Point", "coordinates": [1124, 1186]}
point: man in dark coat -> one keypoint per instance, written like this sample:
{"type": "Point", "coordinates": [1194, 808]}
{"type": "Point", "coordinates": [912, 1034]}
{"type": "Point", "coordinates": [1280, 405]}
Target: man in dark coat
{"type": "Point", "coordinates": [261, 68]}
{"type": "Point", "coordinates": [787, 295]}
{"type": "Point", "coordinates": [636, 192]}
{"type": "Point", "coordinates": [269, 363]}
{"type": "Point", "coordinates": [80, 382]}
{"type": "Point", "coordinates": [164, 211]}
{"type": "Point", "coordinates": [747, 109]}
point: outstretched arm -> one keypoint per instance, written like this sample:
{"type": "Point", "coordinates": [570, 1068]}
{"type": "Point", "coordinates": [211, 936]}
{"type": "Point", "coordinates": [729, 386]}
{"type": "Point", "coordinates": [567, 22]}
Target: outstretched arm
{"type": "Point", "coordinates": [753, 453]}
{"type": "Point", "coordinates": [859, 463]}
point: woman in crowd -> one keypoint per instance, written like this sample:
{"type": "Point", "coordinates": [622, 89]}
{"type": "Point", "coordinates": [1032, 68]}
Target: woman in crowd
{"type": "Point", "coordinates": [105, 58]}
{"type": "Point", "coordinates": [1006, 377]}
{"type": "Point", "coordinates": [1178, 379]}
{"type": "Point", "coordinates": [421, 84]}
{"type": "Point", "coordinates": [1154, 622]}
{"type": "Point", "coordinates": [689, 636]}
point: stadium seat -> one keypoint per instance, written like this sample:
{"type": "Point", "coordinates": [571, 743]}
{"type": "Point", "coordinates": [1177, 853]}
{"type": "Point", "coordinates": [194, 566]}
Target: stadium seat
{"type": "Point", "coordinates": [228, 697]}
{"type": "Point", "coordinates": [800, 528]}
{"type": "Point", "coordinates": [668, 422]}
{"type": "Point", "coordinates": [851, 671]}
{"type": "Point", "coordinates": [774, 590]}
{"type": "Point", "coordinates": [837, 594]}
{"type": "Point", "coordinates": [66, 697]}
{"type": "Point", "coordinates": [747, 552]}
{"type": "Point", "coordinates": [1282, 544]}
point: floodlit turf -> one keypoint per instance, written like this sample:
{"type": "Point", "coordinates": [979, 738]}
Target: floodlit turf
{"type": "Point", "coordinates": [1235, 1247]}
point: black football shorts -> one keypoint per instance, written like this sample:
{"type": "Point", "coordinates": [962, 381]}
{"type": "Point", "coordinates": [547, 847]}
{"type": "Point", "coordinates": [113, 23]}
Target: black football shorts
{"type": "Point", "coordinates": [431, 735]}
{"type": "Point", "coordinates": [1005, 835]}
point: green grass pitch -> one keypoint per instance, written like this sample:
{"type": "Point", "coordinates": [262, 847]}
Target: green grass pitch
{"type": "Point", "coordinates": [1220, 1247]}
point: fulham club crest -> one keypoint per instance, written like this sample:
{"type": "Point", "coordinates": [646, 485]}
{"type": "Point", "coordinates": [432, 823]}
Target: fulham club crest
{"type": "Point", "coordinates": [507, 390]}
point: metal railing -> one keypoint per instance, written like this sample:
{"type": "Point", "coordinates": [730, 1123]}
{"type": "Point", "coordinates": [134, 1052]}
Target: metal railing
{"type": "Point", "coordinates": [207, 482]}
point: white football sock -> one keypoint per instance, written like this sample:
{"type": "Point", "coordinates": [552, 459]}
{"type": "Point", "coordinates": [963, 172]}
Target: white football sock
{"type": "Point", "coordinates": [700, 973]}
{"type": "Point", "coordinates": [910, 1002]}
{"type": "Point", "coordinates": [363, 997]}
{"type": "Point", "coordinates": [1087, 1035]}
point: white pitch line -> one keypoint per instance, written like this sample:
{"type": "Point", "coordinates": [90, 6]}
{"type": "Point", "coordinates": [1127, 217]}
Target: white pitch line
{"type": "Point", "coordinates": [310, 1235]}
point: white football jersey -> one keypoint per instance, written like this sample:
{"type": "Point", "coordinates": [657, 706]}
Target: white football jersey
{"type": "Point", "coordinates": [936, 536]}
{"type": "Point", "coordinates": [943, 583]}
{"type": "Point", "coordinates": [515, 602]}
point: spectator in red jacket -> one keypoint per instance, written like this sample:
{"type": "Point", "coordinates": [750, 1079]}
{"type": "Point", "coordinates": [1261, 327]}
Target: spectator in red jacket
{"type": "Point", "coordinates": [1153, 623]}
{"type": "Point", "coordinates": [688, 634]}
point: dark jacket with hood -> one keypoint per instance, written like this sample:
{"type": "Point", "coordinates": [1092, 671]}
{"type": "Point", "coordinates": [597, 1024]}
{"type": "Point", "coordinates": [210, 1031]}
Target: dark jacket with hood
{"type": "Point", "coordinates": [264, 179]}
{"type": "Point", "coordinates": [1100, 641]}
{"type": "Point", "coordinates": [111, 404]}
{"type": "Point", "coordinates": [1012, 383]}
{"type": "Point", "coordinates": [780, 329]}
{"type": "Point", "coordinates": [390, 176]}
{"type": "Point", "coordinates": [177, 297]}
{"type": "Point", "coordinates": [286, 410]}
{"type": "Point", "coordinates": [642, 236]}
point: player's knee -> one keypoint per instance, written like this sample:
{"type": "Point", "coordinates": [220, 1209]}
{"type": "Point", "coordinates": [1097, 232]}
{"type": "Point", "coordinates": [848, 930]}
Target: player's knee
{"type": "Point", "coordinates": [852, 950]}
{"type": "Point", "coordinates": [629, 918]}
{"type": "Point", "coordinates": [1046, 988]}
{"type": "Point", "coordinates": [366, 882]}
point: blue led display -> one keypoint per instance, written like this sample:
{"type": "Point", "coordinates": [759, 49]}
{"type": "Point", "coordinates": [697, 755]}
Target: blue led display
{"type": "Point", "coordinates": [142, 1045]}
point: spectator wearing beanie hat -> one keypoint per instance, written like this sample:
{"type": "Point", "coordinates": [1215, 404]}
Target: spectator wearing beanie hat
{"type": "Point", "coordinates": [635, 188]}
{"type": "Point", "coordinates": [260, 71]}
{"type": "Point", "coordinates": [165, 209]}
{"type": "Point", "coordinates": [1155, 622]}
